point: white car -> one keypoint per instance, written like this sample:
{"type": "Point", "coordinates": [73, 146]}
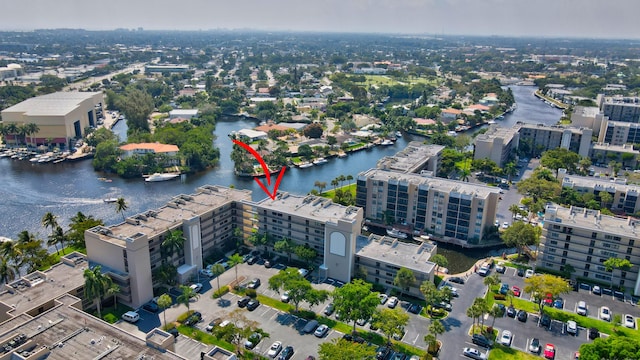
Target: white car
{"type": "Point", "coordinates": [274, 350]}
{"type": "Point", "coordinates": [506, 337]}
{"type": "Point", "coordinates": [605, 313]}
{"type": "Point", "coordinates": [581, 309]}
{"type": "Point", "coordinates": [483, 271]}
{"type": "Point", "coordinates": [393, 302]}
{"type": "Point", "coordinates": [303, 272]}
{"type": "Point", "coordinates": [572, 327]}
{"type": "Point", "coordinates": [529, 273]}
{"type": "Point", "coordinates": [284, 297]}
{"type": "Point", "coordinates": [473, 353]}
{"type": "Point", "coordinates": [321, 330]}
{"type": "Point", "coordinates": [196, 287]}
{"type": "Point", "coordinates": [383, 298]}
{"type": "Point", "coordinates": [505, 225]}
{"type": "Point", "coordinates": [629, 321]}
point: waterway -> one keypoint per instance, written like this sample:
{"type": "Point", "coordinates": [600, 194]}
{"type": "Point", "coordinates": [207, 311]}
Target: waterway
{"type": "Point", "coordinates": [31, 190]}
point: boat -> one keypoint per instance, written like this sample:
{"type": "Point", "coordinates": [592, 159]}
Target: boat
{"type": "Point", "coordinates": [320, 161]}
{"type": "Point", "coordinates": [396, 233]}
{"type": "Point", "coordinates": [305, 165]}
{"type": "Point", "coordinates": [161, 177]}
{"type": "Point", "coordinates": [110, 200]}
{"type": "Point", "coordinates": [386, 142]}
{"type": "Point", "coordinates": [398, 134]}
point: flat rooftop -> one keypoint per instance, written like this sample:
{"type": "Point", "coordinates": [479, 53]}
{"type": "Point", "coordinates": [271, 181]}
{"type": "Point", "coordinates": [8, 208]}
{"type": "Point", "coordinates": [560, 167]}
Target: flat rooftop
{"type": "Point", "coordinates": [591, 219]}
{"type": "Point", "coordinates": [411, 159]}
{"type": "Point", "coordinates": [497, 132]}
{"type": "Point", "coordinates": [178, 209]}
{"type": "Point", "coordinates": [558, 128]}
{"type": "Point", "coordinates": [39, 287]}
{"type": "Point", "coordinates": [69, 333]}
{"type": "Point", "coordinates": [591, 182]}
{"type": "Point", "coordinates": [615, 148]}
{"type": "Point", "coordinates": [315, 207]}
{"type": "Point", "coordinates": [439, 184]}
{"type": "Point", "coordinates": [55, 104]}
{"type": "Point", "coordinates": [392, 251]}
{"type": "Point", "coordinates": [587, 111]}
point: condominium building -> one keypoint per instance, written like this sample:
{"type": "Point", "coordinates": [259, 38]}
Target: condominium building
{"type": "Point", "coordinates": [316, 222]}
{"type": "Point", "coordinates": [378, 259]}
{"type": "Point", "coordinates": [416, 157]}
{"type": "Point", "coordinates": [585, 239]}
{"type": "Point", "coordinates": [536, 139]}
{"type": "Point", "coordinates": [603, 153]}
{"type": "Point", "coordinates": [449, 210]}
{"type": "Point", "coordinates": [132, 250]}
{"type": "Point", "coordinates": [588, 117]}
{"type": "Point", "coordinates": [498, 144]}
{"type": "Point", "coordinates": [620, 108]}
{"type": "Point", "coordinates": [620, 133]}
{"type": "Point", "coordinates": [624, 196]}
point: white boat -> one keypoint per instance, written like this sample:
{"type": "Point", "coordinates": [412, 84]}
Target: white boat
{"type": "Point", "coordinates": [396, 234]}
{"type": "Point", "coordinates": [320, 161]}
{"type": "Point", "coordinates": [110, 200]}
{"type": "Point", "coordinates": [160, 177]}
{"type": "Point", "coordinates": [305, 165]}
{"type": "Point", "coordinates": [398, 134]}
{"type": "Point", "coordinates": [386, 142]}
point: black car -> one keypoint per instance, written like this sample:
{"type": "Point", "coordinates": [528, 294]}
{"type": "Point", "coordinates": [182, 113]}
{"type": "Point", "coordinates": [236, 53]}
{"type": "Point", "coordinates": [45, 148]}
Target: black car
{"type": "Point", "coordinates": [511, 312]}
{"type": "Point", "coordinates": [252, 260]}
{"type": "Point", "coordinates": [193, 319]}
{"type": "Point", "coordinates": [594, 333]}
{"type": "Point", "coordinates": [415, 309]}
{"type": "Point", "coordinates": [287, 353]}
{"type": "Point", "coordinates": [457, 280]}
{"type": "Point", "coordinates": [481, 340]}
{"type": "Point", "coordinates": [522, 316]}
{"type": "Point", "coordinates": [253, 304]}
{"type": "Point", "coordinates": [254, 284]}
{"type": "Point", "coordinates": [545, 321]}
{"type": "Point", "coordinates": [502, 309]}
{"type": "Point", "coordinates": [243, 301]}
{"type": "Point", "coordinates": [174, 331]}
{"type": "Point", "coordinates": [151, 307]}
{"type": "Point", "coordinates": [382, 352]}
{"type": "Point", "coordinates": [520, 272]}
{"type": "Point", "coordinates": [356, 338]}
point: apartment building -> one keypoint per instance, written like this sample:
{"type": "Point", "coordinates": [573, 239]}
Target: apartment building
{"type": "Point", "coordinates": [416, 157]}
{"type": "Point", "coordinates": [585, 239]}
{"type": "Point", "coordinates": [449, 210]}
{"type": "Point", "coordinates": [537, 138]}
{"type": "Point", "coordinates": [620, 108]}
{"type": "Point", "coordinates": [603, 153]}
{"type": "Point", "coordinates": [316, 222]}
{"type": "Point", "coordinates": [379, 258]}
{"type": "Point", "coordinates": [498, 144]}
{"type": "Point", "coordinates": [620, 133]}
{"type": "Point", "coordinates": [625, 196]}
{"type": "Point", "coordinates": [132, 250]}
{"type": "Point", "coordinates": [588, 117]}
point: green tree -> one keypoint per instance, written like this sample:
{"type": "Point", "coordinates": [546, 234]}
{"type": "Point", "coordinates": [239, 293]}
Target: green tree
{"type": "Point", "coordinates": [431, 294]}
{"type": "Point", "coordinates": [234, 261]}
{"type": "Point", "coordinates": [404, 279]}
{"type": "Point", "coordinates": [440, 261]}
{"type": "Point", "coordinates": [306, 254]}
{"type": "Point", "coordinates": [164, 302]}
{"type": "Point", "coordinates": [543, 284]}
{"type": "Point", "coordinates": [50, 221]}
{"type": "Point", "coordinates": [390, 321]}
{"type": "Point", "coordinates": [616, 264]}
{"type": "Point", "coordinates": [95, 286]}
{"type": "Point", "coordinates": [355, 301]}
{"type": "Point", "coordinates": [217, 270]}
{"type": "Point", "coordinates": [298, 288]}
{"type": "Point", "coordinates": [186, 294]}
{"type": "Point", "coordinates": [340, 349]}
{"type": "Point", "coordinates": [173, 243]}
{"type": "Point", "coordinates": [521, 234]}
{"type": "Point", "coordinates": [8, 271]}
{"type": "Point", "coordinates": [605, 198]}
{"type": "Point", "coordinates": [113, 290]}
{"type": "Point", "coordinates": [495, 312]}
{"type": "Point", "coordinates": [492, 280]}
{"type": "Point", "coordinates": [474, 312]}
{"type": "Point", "coordinates": [560, 158]}
{"type": "Point", "coordinates": [436, 328]}
{"type": "Point", "coordinates": [57, 237]}
{"type": "Point", "coordinates": [121, 206]}
{"type": "Point", "coordinates": [611, 348]}
{"type": "Point", "coordinates": [285, 246]}
{"type": "Point", "coordinates": [136, 105]}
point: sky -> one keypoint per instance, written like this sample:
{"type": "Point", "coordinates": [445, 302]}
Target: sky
{"type": "Point", "coordinates": [538, 18]}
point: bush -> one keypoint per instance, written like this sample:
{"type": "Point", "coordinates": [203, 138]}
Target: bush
{"type": "Point", "coordinates": [183, 317]}
{"type": "Point", "coordinates": [499, 297]}
{"type": "Point", "coordinates": [251, 293]}
{"type": "Point", "coordinates": [219, 293]}
{"type": "Point", "coordinates": [110, 318]}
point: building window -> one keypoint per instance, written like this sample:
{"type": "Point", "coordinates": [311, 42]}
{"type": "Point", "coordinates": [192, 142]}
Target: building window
{"type": "Point", "coordinates": [377, 264]}
{"type": "Point", "coordinates": [594, 235]}
{"type": "Point", "coordinates": [585, 274]}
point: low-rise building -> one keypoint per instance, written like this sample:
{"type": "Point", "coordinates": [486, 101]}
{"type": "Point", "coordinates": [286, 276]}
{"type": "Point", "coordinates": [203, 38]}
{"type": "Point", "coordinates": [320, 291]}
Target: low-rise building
{"type": "Point", "coordinates": [497, 144]}
{"type": "Point", "coordinates": [624, 154]}
{"type": "Point", "coordinates": [536, 139]}
{"type": "Point", "coordinates": [620, 108]}
{"type": "Point", "coordinates": [415, 158]}
{"type": "Point", "coordinates": [378, 259]}
{"type": "Point", "coordinates": [183, 113]}
{"type": "Point", "coordinates": [585, 239]}
{"type": "Point", "coordinates": [624, 196]}
{"type": "Point", "coordinates": [588, 117]}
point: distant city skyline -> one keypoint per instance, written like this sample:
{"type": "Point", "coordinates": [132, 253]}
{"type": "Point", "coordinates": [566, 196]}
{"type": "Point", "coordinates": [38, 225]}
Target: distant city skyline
{"type": "Point", "coordinates": [541, 18]}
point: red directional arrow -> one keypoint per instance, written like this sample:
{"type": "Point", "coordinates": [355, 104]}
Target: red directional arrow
{"type": "Point", "coordinates": [265, 169]}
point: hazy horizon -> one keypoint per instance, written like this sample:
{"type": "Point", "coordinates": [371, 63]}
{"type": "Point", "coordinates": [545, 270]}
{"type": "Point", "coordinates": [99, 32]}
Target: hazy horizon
{"type": "Point", "coordinates": [615, 19]}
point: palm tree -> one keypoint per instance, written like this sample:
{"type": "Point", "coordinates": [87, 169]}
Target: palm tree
{"type": "Point", "coordinates": [436, 328]}
{"type": "Point", "coordinates": [164, 301]}
{"type": "Point", "coordinates": [12, 129]}
{"type": "Point", "coordinates": [217, 270]}
{"type": "Point", "coordinates": [49, 221]}
{"type": "Point", "coordinates": [57, 237]}
{"type": "Point", "coordinates": [31, 129]}
{"type": "Point", "coordinates": [494, 312]}
{"type": "Point", "coordinates": [187, 293]}
{"type": "Point", "coordinates": [113, 290]}
{"type": "Point", "coordinates": [121, 206]}
{"type": "Point", "coordinates": [96, 285]}
{"type": "Point", "coordinates": [431, 342]}
{"type": "Point", "coordinates": [473, 312]}
{"type": "Point", "coordinates": [334, 183]}
{"type": "Point", "coordinates": [174, 242]}
{"type": "Point", "coordinates": [234, 261]}
{"type": "Point", "coordinates": [7, 270]}
{"type": "Point", "coordinates": [464, 174]}
{"type": "Point", "coordinates": [492, 280]}
{"type": "Point", "coordinates": [514, 209]}
{"type": "Point", "coordinates": [13, 254]}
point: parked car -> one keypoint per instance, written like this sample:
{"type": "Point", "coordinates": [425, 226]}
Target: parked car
{"type": "Point", "coordinates": [545, 320]}
{"type": "Point", "coordinates": [506, 337]}
{"type": "Point", "coordinates": [594, 333]}
{"type": "Point", "coordinates": [483, 271]}
{"type": "Point", "coordinates": [303, 272]}
{"type": "Point", "coordinates": [356, 338]}
{"type": "Point", "coordinates": [253, 340]}
{"type": "Point", "coordinates": [511, 312]}
{"type": "Point", "coordinates": [629, 321]}
{"type": "Point", "coordinates": [516, 291]}
{"type": "Point", "coordinates": [504, 288]}
{"type": "Point", "coordinates": [398, 356]}
{"type": "Point", "coordinates": [275, 349]}
{"type": "Point", "coordinates": [242, 302]}
{"type": "Point", "coordinates": [457, 280]}
{"type": "Point", "coordinates": [548, 300]}
{"type": "Point", "coordinates": [520, 272]}
{"type": "Point", "coordinates": [481, 340]}
{"type": "Point", "coordinates": [522, 316]}
{"type": "Point", "coordinates": [534, 346]}
{"type": "Point", "coordinates": [383, 298]}
{"type": "Point", "coordinates": [254, 284]}
{"type": "Point", "coordinates": [193, 319]}
{"type": "Point", "coordinates": [151, 307]}
{"type": "Point", "coordinates": [500, 268]}
{"type": "Point", "coordinates": [382, 352]}
{"type": "Point", "coordinates": [252, 260]}
{"type": "Point", "coordinates": [558, 303]}
{"type": "Point", "coordinates": [361, 322]}
{"type": "Point", "coordinates": [213, 323]}
{"type": "Point", "coordinates": [285, 297]}
{"type": "Point", "coordinates": [131, 316]}
{"type": "Point", "coordinates": [321, 331]}
{"type": "Point", "coordinates": [267, 264]}
{"type": "Point", "coordinates": [473, 353]}
{"type": "Point", "coordinates": [605, 313]}
{"type": "Point", "coordinates": [207, 273]}
{"type": "Point", "coordinates": [174, 331]}
{"type": "Point", "coordinates": [581, 309]}
{"type": "Point", "coordinates": [287, 353]}
{"type": "Point", "coordinates": [443, 305]}
{"type": "Point", "coordinates": [572, 327]}
{"type": "Point", "coordinates": [393, 302]}
{"type": "Point", "coordinates": [529, 273]}
{"type": "Point", "coordinates": [329, 309]}
{"type": "Point", "coordinates": [415, 309]}
{"type": "Point", "coordinates": [596, 290]}
{"type": "Point", "coordinates": [502, 308]}
{"type": "Point", "coordinates": [253, 304]}
{"type": "Point", "coordinates": [549, 351]}
{"type": "Point", "coordinates": [196, 287]}
{"type": "Point", "coordinates": [310, 327]}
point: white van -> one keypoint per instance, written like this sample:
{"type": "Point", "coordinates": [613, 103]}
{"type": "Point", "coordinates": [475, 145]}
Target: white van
{"type": "Point", "coordinates": [131, 316]}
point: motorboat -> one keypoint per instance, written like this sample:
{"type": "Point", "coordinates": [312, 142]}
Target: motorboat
{"type": "Point", "coordinates": [398, 134]}
{"type": "Point", "coordinates": [320, 161]}
{"type": "Point", "coordinates": [386, 142]}
{"type": "Point", "coordinates": [305, 165]}
{"type": "Point", "coordinates": [396, 233]}
{"type": "Point", "coordinates": [156, 177]}
{"type": "Point", "coordinates": [110, 200]}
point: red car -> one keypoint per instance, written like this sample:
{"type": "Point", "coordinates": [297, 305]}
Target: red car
{"type": "Point", "coordinates": [516, 291]}
{"type": "Point", "coordinates": [548, 301]}
{"type": "Point", "coordinates": [549, 351]}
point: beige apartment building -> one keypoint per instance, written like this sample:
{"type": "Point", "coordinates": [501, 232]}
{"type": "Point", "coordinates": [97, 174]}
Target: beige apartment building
{"type": "Point", "coordinates": [448, 210]}
{"type": "Point", "coordinates": [625, 196]}
{"type": "Point", "coordinates": [316, 222]}
{"type": "Point", "coordinates": [380, 257]}
{"type": "Point", "coordinates": [498, 144]}
{"type": "Point", "coordinates": [539, 138]}
{"type": "Point", "coordinates": [131, 250]}
{"type": "Point", "coordinates": [585, 239]}
{"type": "Point", "coordinates": [415, 158]}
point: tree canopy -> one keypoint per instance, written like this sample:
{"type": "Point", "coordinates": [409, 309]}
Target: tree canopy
{"type": "Point", "coordinates": [542, 285]}
{"type": "Point", "coordinates": [340, 349]}
{"type": "Point", "coordinates": [611, 348]}
{"type": "Point", "coordinates": [355, 301]}
{"type": "Point", "coordinates": [521, 234]}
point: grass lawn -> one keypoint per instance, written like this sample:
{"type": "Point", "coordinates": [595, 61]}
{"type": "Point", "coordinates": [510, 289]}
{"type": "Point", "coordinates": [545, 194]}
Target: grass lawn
{"type": "Point", "coordinates": [350, 188]}
{"type": "Point", "coordinates": [112, 314]}
{"type": "Point", "coordinates": [500, 352]}
{"type": "Point", "coordinates": [204, 337]}
{"type": "Point", "coordinates": [55, 257]}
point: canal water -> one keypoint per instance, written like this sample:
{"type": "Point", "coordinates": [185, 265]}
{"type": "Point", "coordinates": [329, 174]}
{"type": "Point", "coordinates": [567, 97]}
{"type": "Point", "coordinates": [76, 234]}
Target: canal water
{"type": "Point", "coordinates": [31, 190]}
